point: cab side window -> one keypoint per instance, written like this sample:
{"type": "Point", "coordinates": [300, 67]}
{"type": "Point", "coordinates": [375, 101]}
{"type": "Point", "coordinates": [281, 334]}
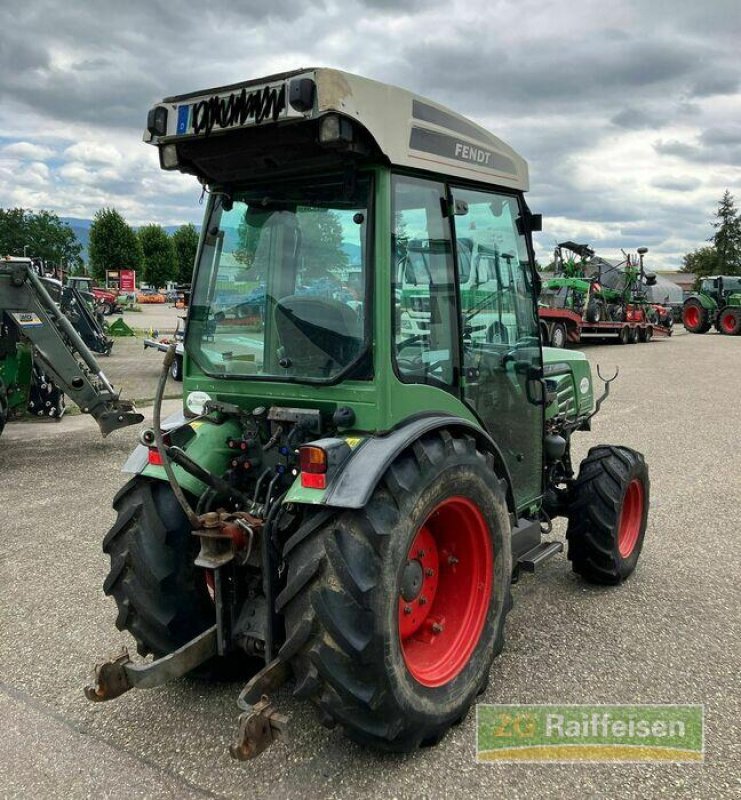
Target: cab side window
{"type": "Point", "coordinates": [425, 337]}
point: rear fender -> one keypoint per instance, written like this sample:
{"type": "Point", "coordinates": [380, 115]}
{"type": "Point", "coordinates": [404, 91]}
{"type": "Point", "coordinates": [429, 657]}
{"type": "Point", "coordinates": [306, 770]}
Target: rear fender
{"type": "Point", "coordinates": [370, 458]}
{"type": "Point", "coordinates": [203, 440]}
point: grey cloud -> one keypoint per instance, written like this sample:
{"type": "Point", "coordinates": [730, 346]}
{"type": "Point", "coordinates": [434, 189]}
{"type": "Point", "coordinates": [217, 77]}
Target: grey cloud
{"type": "Point", "coordinates": [728, 135]}
{"type": "Point", "coordinates": [711, 85]}
{"type": "Point", "coordinates": [636, 119]}
{"type": "Point", "coordinates": [677, 184]}
{"type": "Point", "coordinates": [702, 153]}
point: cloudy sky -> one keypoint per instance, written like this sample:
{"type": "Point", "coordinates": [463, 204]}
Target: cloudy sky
{"type": "Point", "coordinates": [629, 112]}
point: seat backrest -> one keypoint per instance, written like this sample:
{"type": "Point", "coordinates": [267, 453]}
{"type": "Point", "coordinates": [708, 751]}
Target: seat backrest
{"type": "Point", "coordinates": [319, 337]}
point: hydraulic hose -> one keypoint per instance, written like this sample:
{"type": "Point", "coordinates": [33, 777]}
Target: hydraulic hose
{"type": "Point", "coordinates": [159, 441]}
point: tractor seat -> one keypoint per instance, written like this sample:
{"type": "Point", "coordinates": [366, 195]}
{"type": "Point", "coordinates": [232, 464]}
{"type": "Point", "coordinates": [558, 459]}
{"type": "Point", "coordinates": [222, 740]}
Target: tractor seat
{"type": "Point", "coordinates": [318, 337]}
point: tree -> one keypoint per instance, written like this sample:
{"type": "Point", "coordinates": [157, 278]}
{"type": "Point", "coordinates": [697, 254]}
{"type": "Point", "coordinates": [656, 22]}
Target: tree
{"type": "Point", "coordinates": [321, 242]}
{"type": "Point", "coordinates": [158, 255]}
{"type": "Point", "coordinates": [185, 242]}
{"type": "Point", "coordinates": [727, 236]}
{"type": "Point", "coordinates": [701, 262]}
{"type": "Point", "coordinates": [40, 235]}
{"type": "Point", "coordinates": [112, 244]}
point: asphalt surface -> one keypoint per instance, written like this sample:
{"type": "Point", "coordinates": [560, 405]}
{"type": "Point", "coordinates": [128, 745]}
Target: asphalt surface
{"type": "Point", "coordinates": [670, 634]}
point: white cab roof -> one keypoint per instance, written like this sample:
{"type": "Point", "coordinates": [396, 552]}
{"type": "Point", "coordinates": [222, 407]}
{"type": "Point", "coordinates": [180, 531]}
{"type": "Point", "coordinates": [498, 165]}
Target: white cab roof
{"type": "Point", "coordinates": [411, 131]}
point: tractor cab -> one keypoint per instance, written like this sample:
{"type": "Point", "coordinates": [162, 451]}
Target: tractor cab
{"type": "Point", "coordinates": [364, 242]}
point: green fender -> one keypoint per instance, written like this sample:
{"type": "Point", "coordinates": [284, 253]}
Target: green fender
{"type": "Point", "coordinates": [704, 300]}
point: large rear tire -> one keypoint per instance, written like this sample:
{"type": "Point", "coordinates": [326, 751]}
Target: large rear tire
{"type": "Point", "coordinates": [608, 514]}
{"type": "Point", "coordinates": [162, 597]}
{"type": "Point", "coordinates": [395, 611]}
{"type": "Point", "coordinates": [695, 316]}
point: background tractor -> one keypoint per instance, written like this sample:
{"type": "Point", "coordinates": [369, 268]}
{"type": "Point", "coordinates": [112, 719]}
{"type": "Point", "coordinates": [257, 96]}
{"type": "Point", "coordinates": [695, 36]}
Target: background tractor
{"type": "Point", "coordinates": [718, 302]}
{"type": "Point", "coordinates": [343, 501]}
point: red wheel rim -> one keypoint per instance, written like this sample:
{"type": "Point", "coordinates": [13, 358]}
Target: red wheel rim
{"type": "Point", "coordinates": [728, 323]}
{"type": "Point", "coordinates": [692, 316]}
{"type": "Point", "coordinates": [445, 591]}
{"type": "Point", "coordinates": [631, 518]}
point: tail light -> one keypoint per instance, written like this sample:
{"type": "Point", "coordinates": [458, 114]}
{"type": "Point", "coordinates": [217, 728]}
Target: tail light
{"type": "Point", "coordinates": [319, 461]}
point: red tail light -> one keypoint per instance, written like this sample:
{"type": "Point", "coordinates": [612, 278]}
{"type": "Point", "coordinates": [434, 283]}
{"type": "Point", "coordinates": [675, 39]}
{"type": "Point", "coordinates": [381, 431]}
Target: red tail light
{"type": "Point", "coordinates": [313, 461]}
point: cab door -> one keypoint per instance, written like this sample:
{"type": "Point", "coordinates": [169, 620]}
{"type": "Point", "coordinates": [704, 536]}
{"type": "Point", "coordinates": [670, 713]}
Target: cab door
{"type": "Point", "coordinates": [501, 351]}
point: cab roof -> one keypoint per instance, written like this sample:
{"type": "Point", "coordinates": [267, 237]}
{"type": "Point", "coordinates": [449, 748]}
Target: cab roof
{"type": "Point", "coordinates": [408, 130]}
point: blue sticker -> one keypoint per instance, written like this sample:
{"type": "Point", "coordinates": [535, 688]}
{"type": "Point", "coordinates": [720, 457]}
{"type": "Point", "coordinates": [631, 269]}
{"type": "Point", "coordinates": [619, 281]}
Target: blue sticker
{"type": "Point", "coordinates": [183, 117]}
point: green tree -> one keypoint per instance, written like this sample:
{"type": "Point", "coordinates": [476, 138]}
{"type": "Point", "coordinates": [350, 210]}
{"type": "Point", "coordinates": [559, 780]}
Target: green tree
{"type": "Point", "coordinates": [40, 235]}
{"type": "Point", "coordinates": [158, 252]}
{"type": "Point", "coordinates": [727, 236]}
{"type": "Point", "coordinates": [185, 242]}
{"type": "Point", "coordinates": [321, 242]}
{"type": "Point", "coordinates": [112, 244]}
{"type": "Point", "coordinates": [701, 262]}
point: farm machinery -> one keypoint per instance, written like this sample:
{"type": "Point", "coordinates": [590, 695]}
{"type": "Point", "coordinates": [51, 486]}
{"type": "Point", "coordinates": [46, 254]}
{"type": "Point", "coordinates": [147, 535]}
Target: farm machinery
{"type": "Point", "coordinates": [43, 356]}
{"type": "Point", "coordinates": [718, 303]}
{"type": "Point", "coordinates": [345, 503]}
{"type": "Point", "coordinates": [590, 297]}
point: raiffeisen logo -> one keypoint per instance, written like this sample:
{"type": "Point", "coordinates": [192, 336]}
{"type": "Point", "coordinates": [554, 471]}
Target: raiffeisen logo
{"type": "Point", "coordinates": [590, 733]}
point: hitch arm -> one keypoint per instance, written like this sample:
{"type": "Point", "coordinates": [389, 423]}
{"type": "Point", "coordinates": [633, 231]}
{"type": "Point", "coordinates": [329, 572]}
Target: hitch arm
{"type": "Point", "coordinates": [115, 677]}
{"type": "Point", "coordinates": [260, 724]}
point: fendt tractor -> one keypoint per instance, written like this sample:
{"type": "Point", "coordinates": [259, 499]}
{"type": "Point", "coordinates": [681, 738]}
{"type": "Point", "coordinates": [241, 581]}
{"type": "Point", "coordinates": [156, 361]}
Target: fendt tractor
{"type": "Point", "coordinates": [341, 502]}
{"type": "Point", "coordinates": [43, 356]}
{"type": "Point", "coordinates": [718, 303]}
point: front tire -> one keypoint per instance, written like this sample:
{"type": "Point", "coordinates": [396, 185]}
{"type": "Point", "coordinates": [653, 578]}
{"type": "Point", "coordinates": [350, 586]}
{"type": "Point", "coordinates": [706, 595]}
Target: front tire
{"type": "Point", "coordinates": [3, 405]}
{"type": "Point", "coordinates": [176, 370]}
{"type": "Point", "coordinates": [608, 514]}
{"type": "Point", "coordinates": [395, 611]}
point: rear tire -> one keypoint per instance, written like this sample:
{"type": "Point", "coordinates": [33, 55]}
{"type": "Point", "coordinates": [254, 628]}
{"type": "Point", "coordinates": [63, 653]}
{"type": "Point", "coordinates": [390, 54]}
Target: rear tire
{"type": "Point", "coordinates": [729, 321]}
{"type": "Point", "coordinates": [607, 514]}
{"type": "Point", "coordinates": [353, 647]}
{"type": "Point", "coordinates": [162, 597]}
{"type": "Point", "coordinates": [558, 335]}
{"type": "Point", "coordinates": [695, 316]}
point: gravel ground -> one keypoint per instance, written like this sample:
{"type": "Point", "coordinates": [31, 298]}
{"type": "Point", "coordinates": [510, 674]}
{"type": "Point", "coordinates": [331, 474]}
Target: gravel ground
{"type": "Point", "coordinates": [669, 634]}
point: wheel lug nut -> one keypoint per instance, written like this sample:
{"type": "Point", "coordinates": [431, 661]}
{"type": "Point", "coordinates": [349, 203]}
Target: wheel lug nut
{"type": "Point", "coordinates": [422, 600]}
{"type": "Point", "coordinates": [452, 560]}
{"type": "Point", "coordinates": [407, 609]}
{"type": "Point", "coordinates": [429, 572]}
{"type": "Point", "coordinates": [437, 627]}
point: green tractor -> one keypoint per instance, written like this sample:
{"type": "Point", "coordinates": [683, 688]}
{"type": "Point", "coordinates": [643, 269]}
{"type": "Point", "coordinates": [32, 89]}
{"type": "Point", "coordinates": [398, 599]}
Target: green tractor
{"type": "Point", "coordinates": [342, 501]}
{"type": "Point", "coordinates": [718, 302]}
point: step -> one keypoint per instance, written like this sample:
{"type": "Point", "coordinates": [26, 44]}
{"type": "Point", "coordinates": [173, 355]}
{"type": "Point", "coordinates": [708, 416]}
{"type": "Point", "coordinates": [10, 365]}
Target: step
{"type": "Point", "coordinates": [540, 553]}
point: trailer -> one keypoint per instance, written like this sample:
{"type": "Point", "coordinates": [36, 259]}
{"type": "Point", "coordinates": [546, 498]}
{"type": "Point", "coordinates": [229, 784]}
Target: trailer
{"type": "Point", "coordinates": [590, 298]}
{"type": "Point", "coordinates": [562, 326]}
